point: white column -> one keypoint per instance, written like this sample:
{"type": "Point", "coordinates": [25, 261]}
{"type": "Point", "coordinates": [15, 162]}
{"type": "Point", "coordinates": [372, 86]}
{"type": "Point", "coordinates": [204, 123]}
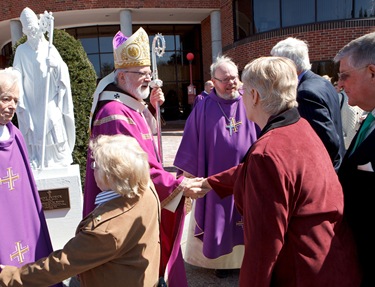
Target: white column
{"type": "Point", "coordinates": [15, 31]}
{"type": "Point", "coordinates": [216, 34]}
{"type": "Point", "coordinates": [126, 22]}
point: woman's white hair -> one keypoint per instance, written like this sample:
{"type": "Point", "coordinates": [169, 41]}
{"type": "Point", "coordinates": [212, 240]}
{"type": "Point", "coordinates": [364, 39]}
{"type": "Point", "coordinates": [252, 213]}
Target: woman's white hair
{"type": "Point", "coordinates": [275, 79]}
{"type": "Point", "coordinates": [122, 163]}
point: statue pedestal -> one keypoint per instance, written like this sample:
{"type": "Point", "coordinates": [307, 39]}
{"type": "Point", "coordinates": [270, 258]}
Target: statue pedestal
{"type": "Point", "coordinates": [60, 191]}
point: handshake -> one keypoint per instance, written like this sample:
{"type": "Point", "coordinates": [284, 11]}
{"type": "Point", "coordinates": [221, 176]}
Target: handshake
{"type": "Point", "coordinates": [196, 187]}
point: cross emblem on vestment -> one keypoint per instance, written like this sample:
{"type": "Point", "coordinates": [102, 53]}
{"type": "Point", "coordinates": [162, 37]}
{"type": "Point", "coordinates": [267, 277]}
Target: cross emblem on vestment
{"type": "Point", "coordinates": [233, 126]}
{"type": "Point", "coordinates": [19, 252]}
{"type": "Point", "coordinates": [11, 177]}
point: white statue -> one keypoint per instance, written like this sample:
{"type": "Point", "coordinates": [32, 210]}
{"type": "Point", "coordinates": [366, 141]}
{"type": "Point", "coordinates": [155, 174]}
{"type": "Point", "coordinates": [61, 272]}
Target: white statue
{"type": "Point", "coordinates": [45, 111]}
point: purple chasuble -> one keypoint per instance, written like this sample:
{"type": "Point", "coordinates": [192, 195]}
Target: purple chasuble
{"type": "Point", "coordinates": [206, 148]}
{"type": "Point", "coordinates": [114, 117]}
{"type": "Point", "coordinates": [23, 228]}
{"type": "Point", "coordinates": [200, 97]}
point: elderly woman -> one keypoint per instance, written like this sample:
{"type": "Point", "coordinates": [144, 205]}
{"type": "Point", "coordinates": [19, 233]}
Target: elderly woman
{"type": "Point", "coordinates": [117, 244]}
{"type": "Point", "coordinates": [287, 191]}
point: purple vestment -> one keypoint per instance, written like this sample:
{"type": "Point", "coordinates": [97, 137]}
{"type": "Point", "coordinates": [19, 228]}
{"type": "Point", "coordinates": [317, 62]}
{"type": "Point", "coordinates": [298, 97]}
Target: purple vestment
{"type": "Point", "coordinates": [200, 97]}
{"type": "Point", "coordinates": [114, 117]}
{"type": "Point", "coordinates": [23, 228]}
{"type": "Point", "coordinates": [208, 148]}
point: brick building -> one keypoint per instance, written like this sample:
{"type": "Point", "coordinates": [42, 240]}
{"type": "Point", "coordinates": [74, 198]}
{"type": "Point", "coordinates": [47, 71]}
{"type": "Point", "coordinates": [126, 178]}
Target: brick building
{"type": "Point", "coordinates": [241, 29]}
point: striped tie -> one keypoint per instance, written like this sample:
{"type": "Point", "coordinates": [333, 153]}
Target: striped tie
{"type": "Point", "coordinates": [364, 128]}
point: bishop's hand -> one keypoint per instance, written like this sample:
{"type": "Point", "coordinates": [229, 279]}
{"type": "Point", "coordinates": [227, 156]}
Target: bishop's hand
{"type": "Point", "coordinates": [157, 97]}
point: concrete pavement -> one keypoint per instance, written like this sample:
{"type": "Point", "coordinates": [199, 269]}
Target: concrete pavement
{"type": "Point", "coordinates": [197, 277]}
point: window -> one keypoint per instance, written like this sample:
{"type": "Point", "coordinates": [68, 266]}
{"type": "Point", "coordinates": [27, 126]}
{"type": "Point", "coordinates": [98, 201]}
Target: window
{"type": "Point", "coordinates": [333, 10]}
{"type": "Point", "coordinates": [97, 42]}
{"type": "Point", "coordinates": [266, 15]}
{"type": "Point", "coordinates": [364, 8]}
{"type": "Point", "coordinates": [297, 12]}
{"type": "Point", "coordinates": [173, 67]}
{"type": "Point", "coordinates": [256, 16]}
{"type": "Point", "coordinates": [243, 19]}
{"type": "Point", "coordinates": [325, 68]}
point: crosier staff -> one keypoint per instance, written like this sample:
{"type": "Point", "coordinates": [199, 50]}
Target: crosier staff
{"type": "Point", "coordinates": [46, 24]}
{"type": "Point", "coordinates": [158, 48]}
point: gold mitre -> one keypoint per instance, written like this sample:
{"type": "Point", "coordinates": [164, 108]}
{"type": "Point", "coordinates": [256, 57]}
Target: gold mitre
{"type": "Point", "coordinates": [133, 51]}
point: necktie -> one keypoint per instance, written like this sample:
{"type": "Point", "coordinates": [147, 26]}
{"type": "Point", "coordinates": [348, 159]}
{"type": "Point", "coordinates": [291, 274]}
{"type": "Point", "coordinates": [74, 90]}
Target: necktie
{"type": "Point", "coordinates": [364, 128]}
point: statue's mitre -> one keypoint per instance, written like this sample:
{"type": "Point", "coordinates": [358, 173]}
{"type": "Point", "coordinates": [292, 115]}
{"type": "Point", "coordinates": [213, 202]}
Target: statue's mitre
{"type": "Point", "coordinates": [28, 16]}
{"type": "Point", "coordinates": [133, 51]}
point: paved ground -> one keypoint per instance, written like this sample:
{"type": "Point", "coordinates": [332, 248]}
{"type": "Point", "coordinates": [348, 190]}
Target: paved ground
{"type": "Point", "coordinates": [197, 277]}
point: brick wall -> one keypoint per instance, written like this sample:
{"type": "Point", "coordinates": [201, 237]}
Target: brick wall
{"type": "Point", "coordinates": [206, 48]}
{"type": "Point", "coordinates": [227, 23]}
{"type": "Point", "coordinates": [324, 40]}
{"type": "Point", "coordinates": [12, 9]}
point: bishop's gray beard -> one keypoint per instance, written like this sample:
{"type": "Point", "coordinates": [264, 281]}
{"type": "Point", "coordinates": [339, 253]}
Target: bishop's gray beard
{"type": "Point", "coordinates": [141, 94]}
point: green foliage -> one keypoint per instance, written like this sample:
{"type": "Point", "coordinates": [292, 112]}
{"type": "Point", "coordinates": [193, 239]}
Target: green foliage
{"type": "Point", "coordinates": [83, 83]}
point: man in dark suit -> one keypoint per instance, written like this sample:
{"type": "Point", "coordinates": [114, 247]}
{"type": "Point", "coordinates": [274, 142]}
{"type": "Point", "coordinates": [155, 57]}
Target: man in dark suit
{"type": "Point", "coordinates": [317, 99]}
{"type": "Point", "coordinates": [356, 174]}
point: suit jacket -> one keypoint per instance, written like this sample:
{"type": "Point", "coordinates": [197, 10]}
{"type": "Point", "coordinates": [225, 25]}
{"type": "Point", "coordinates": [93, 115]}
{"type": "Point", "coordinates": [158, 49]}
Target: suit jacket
{"type": "Point", "coordinates": [319, 104]}
{"type": "Point", "coordinates": [357, 178]}
{"type": "Point", "coordinates": [116, 245]}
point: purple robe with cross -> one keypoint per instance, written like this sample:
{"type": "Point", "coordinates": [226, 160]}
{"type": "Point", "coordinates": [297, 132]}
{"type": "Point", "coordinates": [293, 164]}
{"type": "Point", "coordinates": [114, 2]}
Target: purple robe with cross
{"type": "Point", "coordinates": [24, 234]}
{"type": "Point", "coordinates": [216, 137]}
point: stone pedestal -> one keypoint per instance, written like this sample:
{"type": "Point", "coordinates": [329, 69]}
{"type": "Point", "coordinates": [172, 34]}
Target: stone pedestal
{"type": "Point", "coordinates": [60, 191]}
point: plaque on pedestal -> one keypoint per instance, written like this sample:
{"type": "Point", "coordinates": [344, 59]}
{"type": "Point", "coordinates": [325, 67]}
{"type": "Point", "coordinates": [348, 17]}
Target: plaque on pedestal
{"type": "Point", "coordinates": [61, 196]}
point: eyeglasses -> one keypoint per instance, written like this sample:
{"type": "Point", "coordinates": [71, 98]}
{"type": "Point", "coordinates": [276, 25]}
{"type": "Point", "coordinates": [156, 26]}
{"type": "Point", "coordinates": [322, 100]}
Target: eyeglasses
{"type": "Point", "coordinates": [343, 76]}
{"type": "Point", "coordinates": [227, 80]}
{"type": "Point", "coordinates": [93, 165]}
{"type": "Point", "coordinates": [142, 74]}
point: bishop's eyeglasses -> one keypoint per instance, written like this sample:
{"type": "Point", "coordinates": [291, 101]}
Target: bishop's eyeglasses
{"type": "Point", "coordinates": [143, 75]}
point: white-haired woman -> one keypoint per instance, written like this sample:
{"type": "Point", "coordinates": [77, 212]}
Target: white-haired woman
{"type": "Point", "coordinates": [118, 243]}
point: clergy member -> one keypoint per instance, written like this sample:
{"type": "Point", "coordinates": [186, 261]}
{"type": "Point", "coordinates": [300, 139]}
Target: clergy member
{"type": "Point", "coordinates": [23, 228]}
